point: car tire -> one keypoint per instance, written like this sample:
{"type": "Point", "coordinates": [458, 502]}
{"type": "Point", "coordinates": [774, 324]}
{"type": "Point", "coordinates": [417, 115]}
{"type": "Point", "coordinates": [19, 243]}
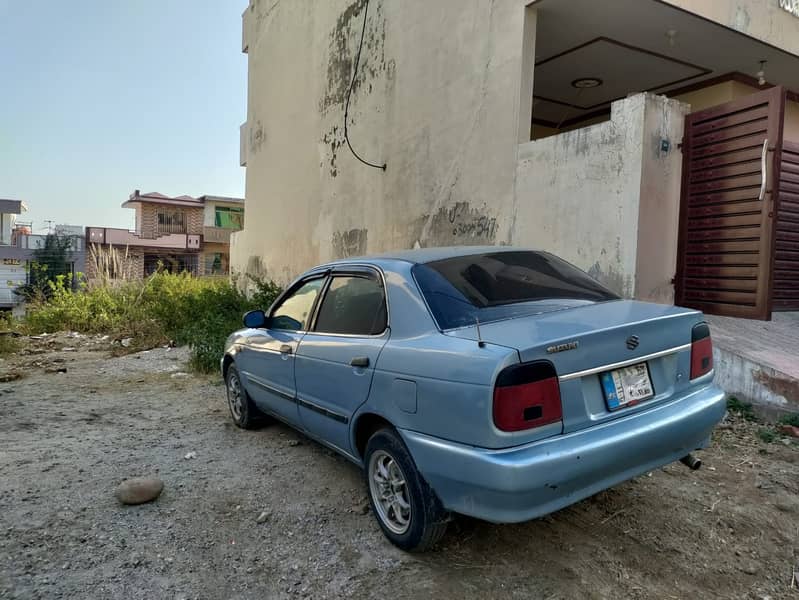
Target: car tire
{"type": "Point", "coordinates": [242, 409]}
{"type": "Point", "coordinates": [405, 506]}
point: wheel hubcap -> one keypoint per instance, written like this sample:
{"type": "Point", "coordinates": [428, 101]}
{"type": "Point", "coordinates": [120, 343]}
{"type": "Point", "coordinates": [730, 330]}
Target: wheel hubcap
{"type": "Point", "coordinates": [234, 397]}
{"type": "Point", "coordinates": [389, 492]}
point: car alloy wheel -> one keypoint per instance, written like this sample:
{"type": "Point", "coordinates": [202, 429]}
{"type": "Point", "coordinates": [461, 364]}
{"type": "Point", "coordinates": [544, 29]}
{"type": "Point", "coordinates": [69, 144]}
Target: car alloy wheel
{"type": "Point", "coordinates": [235, 397]}
{"type": "Point", "coordinates": [389, 489]}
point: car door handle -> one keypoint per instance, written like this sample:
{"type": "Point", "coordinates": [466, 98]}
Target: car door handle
{"type": "Point", "coordinates": [360, 361]}
{"type": "Point", "coordinates": [285, 349]}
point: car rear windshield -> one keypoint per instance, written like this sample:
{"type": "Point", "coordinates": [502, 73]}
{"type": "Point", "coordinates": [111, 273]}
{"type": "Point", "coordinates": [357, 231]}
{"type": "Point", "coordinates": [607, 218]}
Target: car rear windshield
{"type": "Point", "coordinates": [503, 285]}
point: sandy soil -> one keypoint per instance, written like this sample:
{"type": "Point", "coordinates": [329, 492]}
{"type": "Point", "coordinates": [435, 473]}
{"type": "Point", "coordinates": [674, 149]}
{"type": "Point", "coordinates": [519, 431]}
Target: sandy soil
{"type": "Point", "coordinates": [730, 530]}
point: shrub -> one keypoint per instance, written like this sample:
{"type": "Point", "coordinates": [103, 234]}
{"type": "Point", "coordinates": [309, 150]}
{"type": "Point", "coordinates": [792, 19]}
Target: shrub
{"type": "Point", "coordinates": [8, 344]}
{"type": "Point", "coordinates": [791, 419]}
{"type": "Point", "coordinates": [200, 312]}
{"type": "Point", "coordinates": [50, 261]}
{"type": "Point", "coordinates": [744, 409]}
{"type": "Point", "coordinates": [766, 435]}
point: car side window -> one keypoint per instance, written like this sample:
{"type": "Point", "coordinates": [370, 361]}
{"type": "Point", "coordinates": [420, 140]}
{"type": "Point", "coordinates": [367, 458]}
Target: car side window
{"type": "Point", "coordinates": [293, 312]}
{"type": "Point", "coordinates": [354, 305]}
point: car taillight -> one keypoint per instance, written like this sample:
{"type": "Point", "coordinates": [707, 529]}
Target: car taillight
{"type": "Point", "coordinates": [527, 396]}
{"type": "Point", "coordinates": [701, 351]}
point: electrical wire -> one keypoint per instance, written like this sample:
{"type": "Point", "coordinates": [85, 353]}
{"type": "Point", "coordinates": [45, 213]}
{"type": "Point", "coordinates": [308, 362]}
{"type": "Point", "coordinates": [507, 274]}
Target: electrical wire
{"type": "Point", "coordinates": [349, 95]}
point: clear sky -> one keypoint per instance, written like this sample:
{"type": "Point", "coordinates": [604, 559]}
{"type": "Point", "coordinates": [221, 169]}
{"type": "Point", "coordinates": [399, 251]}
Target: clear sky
{"type": "Point", "coordinates": [99, 97]}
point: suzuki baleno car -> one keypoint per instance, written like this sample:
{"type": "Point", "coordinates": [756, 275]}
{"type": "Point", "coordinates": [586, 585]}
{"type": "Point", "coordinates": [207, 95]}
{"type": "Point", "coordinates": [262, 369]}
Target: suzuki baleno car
{"type": "Point", "coordinates": [494, 382]}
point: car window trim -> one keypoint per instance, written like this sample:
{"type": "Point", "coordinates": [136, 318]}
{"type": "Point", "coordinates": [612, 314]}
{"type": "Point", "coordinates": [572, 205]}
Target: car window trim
{"type": "Point", "coordinates": [288, 293]}
{"type": "Point", "coordinates": [427, 305]}
{"type": "Point", "coordinates": [365, 272]}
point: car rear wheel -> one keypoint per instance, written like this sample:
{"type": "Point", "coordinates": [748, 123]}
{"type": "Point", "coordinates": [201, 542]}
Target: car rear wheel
{"type": "Point", "coordinates": [406, 508]}
{"type": "Point", "coordinates": [242, 410]}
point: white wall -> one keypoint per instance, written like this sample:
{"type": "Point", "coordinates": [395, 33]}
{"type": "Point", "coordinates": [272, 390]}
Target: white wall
{"type": "Point", "coordinates": [437, 97]}
{"type": "Point", "coordinates": [607, 197]}
{"type": "Point", "coordinates": [659, 208]}
{"type": "Point", "coordinates": [761, 19]}
{"type": "Point", "coordinates": [209, 214]}
{"type": "Point", "coordinates": [11, 277]}
{"type": "Point", "coordinates": [577, 195]}
{"type": "Point", "coordinates": [8, 221]}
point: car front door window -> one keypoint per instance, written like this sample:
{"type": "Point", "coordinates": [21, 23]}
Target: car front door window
{"type": "Point", "coordinates": [353, 306]}
{"type": "Point", "coordinates": [293, 313]}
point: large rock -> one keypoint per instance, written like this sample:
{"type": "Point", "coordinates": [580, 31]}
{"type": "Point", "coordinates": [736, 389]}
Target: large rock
{"type": "Point", "coordinates": [139, 490]}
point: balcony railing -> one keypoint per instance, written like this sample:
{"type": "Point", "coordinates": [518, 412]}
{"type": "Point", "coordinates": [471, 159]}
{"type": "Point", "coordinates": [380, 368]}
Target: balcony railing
{"type": "Point", "coordinates": [123, 237]}
{"type": "Point", "coordinates": [173, 227]}
{"type": "Point", "coordinates": [216, 235]}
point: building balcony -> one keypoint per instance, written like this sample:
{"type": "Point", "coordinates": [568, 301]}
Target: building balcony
{"type": "Point", "coordinates": [217, 235]}
{"type": "Point", "coordinates": [123, 237]}
{"type": "Point", "coordinates": [167, 228]}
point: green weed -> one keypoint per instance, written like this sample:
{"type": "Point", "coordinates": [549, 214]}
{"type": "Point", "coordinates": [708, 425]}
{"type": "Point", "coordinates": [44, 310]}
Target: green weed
{"type": "Point", "coordinates": [8, 345]}
{"type": "Point", "coordinates": [792, 419]}
{"type": "Point", "coordinates": [197, 311]}
{"type": "Point", "coordinates": [766, 435]}
{"type": "Point", "coordinates": [743, 409]}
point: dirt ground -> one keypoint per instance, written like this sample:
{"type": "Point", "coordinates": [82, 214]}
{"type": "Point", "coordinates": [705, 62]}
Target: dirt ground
{"type": "Point", "coordinates": [730, 530]}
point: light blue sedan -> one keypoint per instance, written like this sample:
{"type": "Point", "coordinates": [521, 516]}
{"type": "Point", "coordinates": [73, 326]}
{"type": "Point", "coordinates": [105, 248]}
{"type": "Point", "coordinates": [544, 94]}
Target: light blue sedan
{"type": "Point", "coordinates": [499, 383]}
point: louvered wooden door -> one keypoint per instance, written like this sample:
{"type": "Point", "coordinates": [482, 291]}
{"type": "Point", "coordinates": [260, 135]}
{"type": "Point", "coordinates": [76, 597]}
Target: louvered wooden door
{"type": "Point", "coordinates": [786, 257]}
{"type": "Point", "coordinates": [731, 179]}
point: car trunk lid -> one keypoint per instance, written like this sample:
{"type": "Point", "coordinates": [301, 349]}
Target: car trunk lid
{"type": "Point", "coordinates": [584, 342]}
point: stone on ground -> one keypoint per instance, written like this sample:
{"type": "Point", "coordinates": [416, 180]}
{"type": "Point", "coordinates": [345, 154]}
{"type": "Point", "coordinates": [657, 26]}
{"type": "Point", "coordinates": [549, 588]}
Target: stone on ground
{"type": "Point", "coordinates": [139, 490]}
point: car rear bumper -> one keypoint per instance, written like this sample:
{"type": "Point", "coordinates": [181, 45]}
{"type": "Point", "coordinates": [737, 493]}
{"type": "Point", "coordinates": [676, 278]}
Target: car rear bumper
{"type": "Point", "coordinates": [529, 481]}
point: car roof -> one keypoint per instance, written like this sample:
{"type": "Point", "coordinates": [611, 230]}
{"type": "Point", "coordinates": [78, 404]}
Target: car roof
{"type": "Point", "coordinates": [425, 255]}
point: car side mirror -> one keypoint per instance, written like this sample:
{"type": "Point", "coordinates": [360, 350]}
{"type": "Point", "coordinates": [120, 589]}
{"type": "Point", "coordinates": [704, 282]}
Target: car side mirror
{"type": "Point", "coordinates": [255, 319]}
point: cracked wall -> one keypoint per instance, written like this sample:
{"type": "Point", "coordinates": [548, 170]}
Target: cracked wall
{"type": "Point", "coordinates": [437, 97]}
{"type": "Point", "coordinates": [430, 99]}
{"type": "Point", "coordinates": [578, 195]}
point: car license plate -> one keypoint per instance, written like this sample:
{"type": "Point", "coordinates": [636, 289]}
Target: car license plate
{"type": "Point", "coordinates": [627, 386]}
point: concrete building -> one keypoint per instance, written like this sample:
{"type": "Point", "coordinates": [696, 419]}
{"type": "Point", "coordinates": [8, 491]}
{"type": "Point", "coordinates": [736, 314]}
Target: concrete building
{"type": "Point", "coordinates": [13, 261]}
{"type": "Point", "coordinates": [554, 124]}
{"type": "Point", "coordinates": [18, 246]}
{"type": "Point", "coordinates": [177, 234]}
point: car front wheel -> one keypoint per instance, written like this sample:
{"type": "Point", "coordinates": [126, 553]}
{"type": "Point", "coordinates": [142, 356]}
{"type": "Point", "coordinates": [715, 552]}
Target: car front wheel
{"type": "Point", "coordinates": [242, 410]}
{"type": "Point", "coordinates": [407, 509]}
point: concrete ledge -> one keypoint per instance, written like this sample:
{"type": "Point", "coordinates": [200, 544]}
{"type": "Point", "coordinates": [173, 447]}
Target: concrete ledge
{"type": "Point", "coordinates": [758, 361]}
{"type": "Point", "coordinates": [771, 390]}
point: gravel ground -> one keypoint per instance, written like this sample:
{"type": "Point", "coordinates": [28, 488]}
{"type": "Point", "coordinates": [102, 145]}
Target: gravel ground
{"type": "Point", "coordinates": [730, 530]}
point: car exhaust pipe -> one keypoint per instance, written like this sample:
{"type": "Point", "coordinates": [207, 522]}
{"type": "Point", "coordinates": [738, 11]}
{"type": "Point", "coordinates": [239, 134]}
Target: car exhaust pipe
{"type": "Point", "coordinates": [690, 461]}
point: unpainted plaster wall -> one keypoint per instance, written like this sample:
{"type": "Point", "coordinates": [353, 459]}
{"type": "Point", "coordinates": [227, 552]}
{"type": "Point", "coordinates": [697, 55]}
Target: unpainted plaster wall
{"type": "Point", "coordinates": [437, 96]}
{"type": "Point", "coordinates": [578, 193]}
{"type": "Point", "coordinates": [659, 208]}
{"type": "Point", "coordinates": [761, 19]}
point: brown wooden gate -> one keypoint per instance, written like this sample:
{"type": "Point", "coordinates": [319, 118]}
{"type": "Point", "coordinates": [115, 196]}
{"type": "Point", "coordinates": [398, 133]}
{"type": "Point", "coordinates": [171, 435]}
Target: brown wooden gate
{"type": "Point", "coordinates": [730, 186]}
{"type": "Point", "coordinates": [786, 257]}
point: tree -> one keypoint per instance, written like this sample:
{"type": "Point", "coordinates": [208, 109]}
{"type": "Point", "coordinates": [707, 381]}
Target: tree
{"type": "Point", "coordinates": [50, 261]}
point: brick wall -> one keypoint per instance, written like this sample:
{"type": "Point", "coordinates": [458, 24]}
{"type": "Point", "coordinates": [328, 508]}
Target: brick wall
{"type": "Point", "coordinates": [138, 218]}
{"type": "Point", "coordinates": [147, 219]}
{"type": "Point", "coordinates": [194, 220]}
{"type": "Point", "coordinates": [134, 266]}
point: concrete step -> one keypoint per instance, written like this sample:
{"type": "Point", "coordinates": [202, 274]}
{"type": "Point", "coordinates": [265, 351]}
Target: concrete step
{"type": "Point", "coordinates": [758, 361]}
